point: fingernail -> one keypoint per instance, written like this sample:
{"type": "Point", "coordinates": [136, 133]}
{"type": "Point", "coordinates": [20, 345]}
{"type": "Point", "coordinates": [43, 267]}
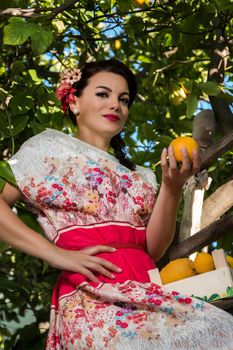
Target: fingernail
{"type": "Point", "coordinates": [195, 152]}
{"type": "Point", "coordinates": [119, 269]}
{"type": "Point", "coordinates": [112, 276]}
{"type": "Point", "coordinates": [113, 249]}
{"type": "Point", "coordinates": [184, 150]}
{"type": "Point", "coordinates": [170, 150]}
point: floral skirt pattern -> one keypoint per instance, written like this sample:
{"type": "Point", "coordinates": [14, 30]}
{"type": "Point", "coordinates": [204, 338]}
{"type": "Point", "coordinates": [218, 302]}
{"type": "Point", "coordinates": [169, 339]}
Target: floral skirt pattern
{"type": "Point", "coordinates": [137, 316]}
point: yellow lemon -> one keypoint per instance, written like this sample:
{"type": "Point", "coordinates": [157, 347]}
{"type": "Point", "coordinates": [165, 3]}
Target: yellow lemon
{"type": "Point", "coordinates": [117, 44]}
{"type": "Point", "coordinates": [183, 141]}
{"type": "Point", "coordinates": [140, 2]}
{"type": "Point", "coordinates": [229, 260]}
{"type": "Point", "coordinates": [178, 94]}
{"type": "Point", "coordinates": [204, 262]}
{"type": "Point", "coordinates": [176, 270]}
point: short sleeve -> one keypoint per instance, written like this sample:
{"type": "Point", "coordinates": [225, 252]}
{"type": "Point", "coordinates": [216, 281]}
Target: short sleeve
{"type": "Point", "coordinates": [28, 161]}
{"type": "Point", "coordinates": [148, 176]}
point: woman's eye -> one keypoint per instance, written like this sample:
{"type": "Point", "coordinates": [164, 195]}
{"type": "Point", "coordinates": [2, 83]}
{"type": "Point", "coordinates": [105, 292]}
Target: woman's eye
{"type": "Point", "coordinates": [102, 94]}
{"type": "Point", "coordinates": [125, 101]}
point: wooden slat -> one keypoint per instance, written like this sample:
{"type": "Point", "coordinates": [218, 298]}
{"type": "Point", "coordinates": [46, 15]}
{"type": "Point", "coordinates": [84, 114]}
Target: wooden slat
{"type": "Point", "coordinates": [202, 238]}
{"type": "Point", "coordinates": [215, 151]}
{"type": "Point", "coordinates": [224, 304]}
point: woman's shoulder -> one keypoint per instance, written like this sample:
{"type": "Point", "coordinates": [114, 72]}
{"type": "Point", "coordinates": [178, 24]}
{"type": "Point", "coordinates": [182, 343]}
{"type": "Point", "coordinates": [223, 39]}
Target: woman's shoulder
{"type": "Point", "coordinates": [32, 153]}
{"type": "Point", "coordinates": [148, 175]}
{"type": "Point", "coordinates": [48, 136]}
{"type": "Point", "coordinates": [49, 142]}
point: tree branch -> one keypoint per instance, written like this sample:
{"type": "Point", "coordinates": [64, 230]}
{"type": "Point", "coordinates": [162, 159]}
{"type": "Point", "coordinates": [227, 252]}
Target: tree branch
{"type": "Point", "coordinates": [63, 7]}
{"type": "Point", "coordinates": [160, 70]}
{"type": "Point", "coordinates": [120, 14]}
{"type": "Point", "coordinates": [217, 68]}
{"type": "Point", "coordinates": [25, 13]}
{"type": "Point", "coordinates": [32, 12]}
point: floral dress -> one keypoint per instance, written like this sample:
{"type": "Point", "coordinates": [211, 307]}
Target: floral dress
{"type": "Point", "coordinates": [83, 197]}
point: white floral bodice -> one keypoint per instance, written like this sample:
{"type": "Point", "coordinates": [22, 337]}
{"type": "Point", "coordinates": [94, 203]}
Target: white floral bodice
{"type": "Point", "coordinates": [69, 182]}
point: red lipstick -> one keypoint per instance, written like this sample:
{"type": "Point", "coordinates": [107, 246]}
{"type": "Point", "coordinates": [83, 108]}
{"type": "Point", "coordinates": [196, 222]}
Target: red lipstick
{"type": "Point", "coordinates": [111, 117]}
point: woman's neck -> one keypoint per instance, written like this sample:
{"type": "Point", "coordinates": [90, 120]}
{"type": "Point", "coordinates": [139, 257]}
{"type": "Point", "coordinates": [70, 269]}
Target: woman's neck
{"type": "Point", "coordinates": [96, 140]}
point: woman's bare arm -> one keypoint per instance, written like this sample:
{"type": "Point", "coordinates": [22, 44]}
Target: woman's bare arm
{"type": "Point", "coordinates": [15, 233]}
{"type": "Point", "coordinates": [161, 226]}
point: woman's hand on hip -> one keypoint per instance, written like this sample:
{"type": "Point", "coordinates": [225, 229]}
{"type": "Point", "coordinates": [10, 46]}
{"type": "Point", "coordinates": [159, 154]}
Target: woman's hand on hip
{"type": "Point", "coordinates": [85, 262]}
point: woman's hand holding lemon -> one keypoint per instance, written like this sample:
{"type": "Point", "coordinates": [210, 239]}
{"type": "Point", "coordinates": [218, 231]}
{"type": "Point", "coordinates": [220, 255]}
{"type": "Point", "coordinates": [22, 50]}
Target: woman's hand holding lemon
{"type": "Point", "coordinates": [182, 150]}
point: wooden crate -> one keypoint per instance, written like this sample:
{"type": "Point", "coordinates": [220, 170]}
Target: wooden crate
{"type": "Point", "coordinates": [209, 286]}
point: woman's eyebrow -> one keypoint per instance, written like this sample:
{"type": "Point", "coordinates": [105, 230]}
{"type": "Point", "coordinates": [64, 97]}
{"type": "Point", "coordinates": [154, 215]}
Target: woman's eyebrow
{"type": "Point", "coordinates": [107, 88]}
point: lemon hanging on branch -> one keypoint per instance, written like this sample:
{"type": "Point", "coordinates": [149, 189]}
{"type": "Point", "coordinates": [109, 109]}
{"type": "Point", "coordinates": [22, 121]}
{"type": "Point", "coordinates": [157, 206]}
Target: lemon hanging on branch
{"type": "Point", "coordinates": [140, 2]}
{"type": "Point", "coordinates": [183, 141]}
{"type": "Point", "coordinates": [178, 94]}
{"type": "Point", "coordinates": [117, 44]}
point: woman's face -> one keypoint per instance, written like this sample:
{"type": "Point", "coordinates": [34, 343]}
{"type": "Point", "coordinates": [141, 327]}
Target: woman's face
{"type": "Point", "coordinates": [103, 105]}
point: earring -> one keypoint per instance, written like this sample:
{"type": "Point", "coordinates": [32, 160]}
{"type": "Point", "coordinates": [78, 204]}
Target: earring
{"type": "Point", "coordinates": [75, 111]}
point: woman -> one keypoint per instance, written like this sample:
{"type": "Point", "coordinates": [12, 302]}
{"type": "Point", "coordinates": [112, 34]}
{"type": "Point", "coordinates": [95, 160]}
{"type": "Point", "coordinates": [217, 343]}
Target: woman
{"type": "Point", "coordinates": [99, 212]}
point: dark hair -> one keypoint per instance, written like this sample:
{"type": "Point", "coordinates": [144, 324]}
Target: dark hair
{"type": "Point", "coordinates": [116, 67]}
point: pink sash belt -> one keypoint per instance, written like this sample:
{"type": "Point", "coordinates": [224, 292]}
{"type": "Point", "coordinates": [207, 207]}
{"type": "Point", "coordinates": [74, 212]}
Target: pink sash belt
{"type": "Point", "coordinates": [125, 245]}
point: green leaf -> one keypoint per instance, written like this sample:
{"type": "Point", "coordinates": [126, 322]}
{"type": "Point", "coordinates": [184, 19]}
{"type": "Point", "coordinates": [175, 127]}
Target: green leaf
{"type": "Point", "coordinates": [144, 59]}
{"type": "Point", "coordinates": [175, 34]}
{"type": "Point", "coordinates": [226, 96]}
{"type": "Point", "coordinates": [57, 120]}
{"type": "Point", "coordinates": [164, 140]}
{"type": "Point", "coordinates": [189, 26]}
{"type": "Point", "coordinates": [6, 172]}
{"type": "Point", "coordinates": [189, 85]}
{"type": "Point", "coordinates": [148, 131]}
{"type": "Point", "coordinates": [210, 8]}
{"type": "Point", "coordinates": [18, 124]}
{"type": "Point", "coordinates": [4, 4]}
{"type": "Point", "coordinates": [210, 88]}
{"type": "Point", "coordinates": [223, 5]}
{"type": "Point", "coordinates": [3, 247]}
{"type": "Point", "coordinates": [9, 284]}
{"type": "Point", "coordinates": [21, 103]}
{"type": "Point", "coordinates": [59, 25]}
{"type": "Point", "coordinates": [17, 67]}
{"type": "Point", "coordinates": [36, 127]}
{"type": "Point", "coordinates": [123, 5]}
{"type": "Point", "coordinates": [45, 267]}
{"type": "Point", "coordinates": [212, 168]}
{"type": "Point", "coordinates": [41, 39]}
{"type": "Point", "coordinates": [191, 102]}
{"type": "Point", "coordinates": [2, 184]}
{"type": "Point", "coordinates": [33, 75]}
{"type": "Point", "coordinates": [4, 124]}
{"type": "Point", "coordinates": [16, 32]}
{"type": "Point", "coordinates": [214, 297]}
{"type": "Point", "coordinates": [29, 219]}
{"type": "Point", "coordinates": [230, 291]}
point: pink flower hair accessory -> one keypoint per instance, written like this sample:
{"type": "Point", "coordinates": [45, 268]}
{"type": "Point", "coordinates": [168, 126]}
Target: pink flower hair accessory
{"type": "Point", "coordinates": [71, 76]}
{"type": "Point", "coordinates": [65, 92]}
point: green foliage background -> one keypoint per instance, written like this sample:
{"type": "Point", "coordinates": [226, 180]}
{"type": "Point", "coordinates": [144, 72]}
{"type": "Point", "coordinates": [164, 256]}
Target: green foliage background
{"type": "Point", "coordinates": [169, 45]}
